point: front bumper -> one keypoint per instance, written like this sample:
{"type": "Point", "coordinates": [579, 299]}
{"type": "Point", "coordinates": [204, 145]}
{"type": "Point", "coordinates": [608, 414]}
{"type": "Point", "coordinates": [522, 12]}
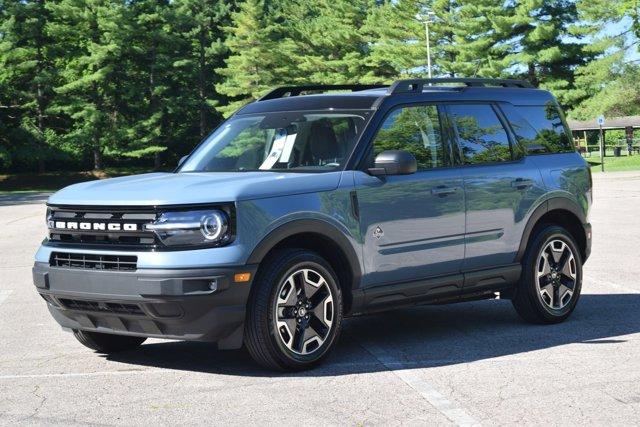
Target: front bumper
{"type": "Point", "coordinates": [161, 303]}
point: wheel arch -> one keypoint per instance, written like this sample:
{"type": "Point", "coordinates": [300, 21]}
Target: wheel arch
{"type": "Point", "coordinates": [321, 237]}
{"type": "Point", "coordinates": [559, 211]}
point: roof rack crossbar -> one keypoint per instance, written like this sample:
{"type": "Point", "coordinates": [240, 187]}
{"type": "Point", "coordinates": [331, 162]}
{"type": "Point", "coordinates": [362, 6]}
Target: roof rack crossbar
{"type": "Point", "coordinates": [280, 92]}
{"type": "Point", "coordinates": [417, 85]}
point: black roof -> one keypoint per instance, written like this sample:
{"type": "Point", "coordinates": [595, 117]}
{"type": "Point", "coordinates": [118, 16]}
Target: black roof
{"type": "Point", "coordinates": [403, 91]}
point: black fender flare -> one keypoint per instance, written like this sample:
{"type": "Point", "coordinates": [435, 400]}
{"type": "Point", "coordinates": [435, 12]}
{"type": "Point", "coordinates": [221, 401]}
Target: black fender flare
{"type": "Point", "coordinates": [556, 203]}
{"type": "Point", "coordinates": [316, 226]}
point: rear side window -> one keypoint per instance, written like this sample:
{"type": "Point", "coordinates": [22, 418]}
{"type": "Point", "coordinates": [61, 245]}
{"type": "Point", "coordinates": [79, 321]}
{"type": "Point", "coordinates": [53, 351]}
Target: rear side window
{"type": "Point", "coordinates": [541, 129]}
{"type": "Point", "coordinates": [481, 136]}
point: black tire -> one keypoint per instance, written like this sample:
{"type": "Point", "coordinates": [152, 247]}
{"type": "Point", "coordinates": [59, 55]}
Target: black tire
{"type": "Point", "coordinates": [529, 301]}
{"type": "Point", "coordinates": [263, 338]}
{"type": "Point", "coordinates": [107, 343]}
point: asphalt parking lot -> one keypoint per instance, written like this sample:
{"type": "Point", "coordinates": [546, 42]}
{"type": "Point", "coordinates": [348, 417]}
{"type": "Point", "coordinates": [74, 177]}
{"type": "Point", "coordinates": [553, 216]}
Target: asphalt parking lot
{"type": "Point", "coordinates": [471, 363]}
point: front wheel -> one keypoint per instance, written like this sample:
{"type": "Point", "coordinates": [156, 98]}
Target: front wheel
{"type": "Point", "coordinates": [295, 311]}
{"type": "Point", "coordinates": [551, 279]}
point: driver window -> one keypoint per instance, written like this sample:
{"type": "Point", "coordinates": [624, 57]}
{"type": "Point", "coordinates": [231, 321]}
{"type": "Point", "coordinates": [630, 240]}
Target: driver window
{"type": "Point", "coordinates": [415, 129]}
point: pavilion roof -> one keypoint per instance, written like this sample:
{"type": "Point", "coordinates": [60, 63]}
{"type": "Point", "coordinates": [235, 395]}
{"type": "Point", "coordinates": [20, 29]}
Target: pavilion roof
{"type": "Point", "coordinates": [610, 123]}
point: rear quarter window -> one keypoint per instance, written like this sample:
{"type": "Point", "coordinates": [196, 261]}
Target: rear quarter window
{"type": "Point", "coordinates": [540, 128]}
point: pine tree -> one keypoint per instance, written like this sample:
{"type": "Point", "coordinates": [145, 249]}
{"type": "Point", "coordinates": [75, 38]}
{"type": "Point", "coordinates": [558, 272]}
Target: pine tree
{"type": "Point", "coordinates": [547, 44]}
{"type": "Point", "coordinates": [152, 59]}
{"type": "Point", "coordinates": [606, 11]}
{"type": "Point", "coordinates": [133, 78]}
{"type": "Point", "coordinates": [326, 40]}
{"type": "Point", "coordinates": [608, 84]}
{"type": "Point", "coordinates": [616, 95]}
{"type": "Point", "coordinates": [201, 24]}
{"type": "Point", "coordinates": [473, 35]}
{"type": "Point", "coordinates": [444, 35]}
{"type": "Point", "coordinates": [27, 75]}
{"type": "Point", "coordinates": [465, 38]}
{"type": "Point", "coordinates": [257, 61]}
{"type": "Point", "coordinates": [397, 41]}
{"type": "Point", "coordinates": [95, 91]}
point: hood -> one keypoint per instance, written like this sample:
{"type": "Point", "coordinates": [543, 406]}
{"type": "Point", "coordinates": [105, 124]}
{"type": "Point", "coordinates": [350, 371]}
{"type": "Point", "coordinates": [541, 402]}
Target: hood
{"type": "Point", "coordinates": [156, 189]}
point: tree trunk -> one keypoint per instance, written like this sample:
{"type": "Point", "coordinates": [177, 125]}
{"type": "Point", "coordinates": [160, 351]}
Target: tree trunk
{"type": "Point", "coordinates": [201, 84]}
{"type": "Point", "coordinates": [153, 100]}
{"type": "Point", "coordinates": [97, 152]}
{"type": "Point", "coordinates": [97, 158]}
{"type": "Point", "coordinates": [533, 78]}
{"type": "Point", "coordinates": [40, 117]}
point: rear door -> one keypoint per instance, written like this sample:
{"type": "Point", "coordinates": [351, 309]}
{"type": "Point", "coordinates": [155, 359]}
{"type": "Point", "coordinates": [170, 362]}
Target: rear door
{"type": "Point", "coordinates": [412, 225]}
{"type": "Point", "coordinates": [501, 185]}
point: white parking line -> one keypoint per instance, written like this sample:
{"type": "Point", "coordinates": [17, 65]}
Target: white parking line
{"type": "Point", "coordinates": [449, 409]}
{"type": "Point", "coordinates": [4, 294]}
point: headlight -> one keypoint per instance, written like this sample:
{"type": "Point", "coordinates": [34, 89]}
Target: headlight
{"type": "Point", "coordinates": [192, 228]}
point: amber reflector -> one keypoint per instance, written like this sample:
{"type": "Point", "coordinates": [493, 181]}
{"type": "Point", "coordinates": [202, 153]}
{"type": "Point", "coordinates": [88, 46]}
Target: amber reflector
{"type": "Point", "coordinates": [242, 277]}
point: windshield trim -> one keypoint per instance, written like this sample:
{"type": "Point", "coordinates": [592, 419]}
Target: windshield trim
{"type": "Point", "coordinates": [325, 111]}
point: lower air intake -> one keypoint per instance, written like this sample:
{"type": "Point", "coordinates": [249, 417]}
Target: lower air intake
{"type": "Point", "coordinates": [94, 262]}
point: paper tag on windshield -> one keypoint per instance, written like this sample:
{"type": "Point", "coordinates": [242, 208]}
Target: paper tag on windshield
{"type": "Point", "coordinates": [276, 150]}
{"type": "Point", "coordinates": [288, 147]}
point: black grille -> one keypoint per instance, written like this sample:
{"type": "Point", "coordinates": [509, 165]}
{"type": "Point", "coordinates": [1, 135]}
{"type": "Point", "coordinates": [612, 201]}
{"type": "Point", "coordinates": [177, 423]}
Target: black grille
{"type": "Point", "coordinates": [94, 262]}
{"type": "Point", "coordinates": [86, 230]}
{"type": "Point", "coordinates": [102, 307]}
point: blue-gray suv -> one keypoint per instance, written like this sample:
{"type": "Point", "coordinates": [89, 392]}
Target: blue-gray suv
{"type": "Point", "coordinates": [316, 203]}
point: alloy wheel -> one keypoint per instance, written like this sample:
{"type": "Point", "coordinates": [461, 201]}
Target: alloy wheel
{"type": "Point", "coordinates": [556, 274]}
{"type": "Point", "coordinates": [304, 311]}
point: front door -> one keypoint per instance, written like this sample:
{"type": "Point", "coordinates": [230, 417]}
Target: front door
{"type": "Point", "coordinates": [412, 225]}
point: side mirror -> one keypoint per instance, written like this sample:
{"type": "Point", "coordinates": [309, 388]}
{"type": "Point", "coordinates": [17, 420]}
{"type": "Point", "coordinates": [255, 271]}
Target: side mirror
{"type": "Point", "coordinates": [181, 161]}
{"type": "Point", "coordinates": [394, 162]}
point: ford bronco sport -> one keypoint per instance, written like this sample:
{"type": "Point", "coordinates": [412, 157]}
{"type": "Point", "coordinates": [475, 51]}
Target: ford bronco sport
{"type": "Point", "coordinates": [310, 205]}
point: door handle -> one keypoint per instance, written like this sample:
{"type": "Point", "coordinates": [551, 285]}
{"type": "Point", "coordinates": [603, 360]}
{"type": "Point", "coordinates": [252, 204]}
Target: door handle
{"type": "Point", "coordinates": [521, 183]}
{"type": "Point", "coordinates": [443, 191]}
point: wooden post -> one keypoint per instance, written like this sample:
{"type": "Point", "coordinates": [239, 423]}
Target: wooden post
{"type": "Point", "coordinates": [629, 137]}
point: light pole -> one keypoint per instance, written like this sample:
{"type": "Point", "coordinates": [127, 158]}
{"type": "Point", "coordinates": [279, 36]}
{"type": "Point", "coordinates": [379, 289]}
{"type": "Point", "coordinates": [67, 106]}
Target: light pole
{"type": "Point", "coordinates": [426, 18]}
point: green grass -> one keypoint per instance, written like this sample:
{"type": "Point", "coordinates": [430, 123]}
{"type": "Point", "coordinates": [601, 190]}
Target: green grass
{"type": "Point", "coordinates": [53, 181]}
{"type": "Point", "coordinates": [614, 164]}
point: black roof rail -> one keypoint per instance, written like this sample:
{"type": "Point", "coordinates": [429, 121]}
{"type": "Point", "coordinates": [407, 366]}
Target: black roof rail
{"type": "Point", "coordinates": [280, 92]}
{"type": "Point", "coordinates": [417, 85]}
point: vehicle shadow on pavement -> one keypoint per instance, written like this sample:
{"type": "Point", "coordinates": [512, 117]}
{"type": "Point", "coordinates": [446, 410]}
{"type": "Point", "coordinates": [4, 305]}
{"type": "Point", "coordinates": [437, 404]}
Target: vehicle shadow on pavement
{"type": "Point", "coordinates": [421, 337]}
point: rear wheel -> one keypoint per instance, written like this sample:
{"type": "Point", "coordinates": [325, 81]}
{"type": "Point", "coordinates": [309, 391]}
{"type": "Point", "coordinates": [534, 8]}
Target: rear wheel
{"type": "Point", "coordinates": [107, 343]}
{"type": "Point", "coordinates": [295, 312]}
{"type": "Point", "coordinates": [551, 278]}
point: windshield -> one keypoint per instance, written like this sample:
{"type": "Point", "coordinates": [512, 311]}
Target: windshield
{"type": "Point", "coordinates": [283, 141]}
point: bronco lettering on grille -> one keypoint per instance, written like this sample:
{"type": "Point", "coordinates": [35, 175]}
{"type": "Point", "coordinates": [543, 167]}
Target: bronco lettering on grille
{"type": "Point", "coordinates": [95, 226]}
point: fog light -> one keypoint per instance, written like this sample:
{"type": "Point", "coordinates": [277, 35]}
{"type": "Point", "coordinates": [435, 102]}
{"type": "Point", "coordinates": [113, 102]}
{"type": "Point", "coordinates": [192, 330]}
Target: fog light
{"type": "Point", "coordinates": [213, 285]}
